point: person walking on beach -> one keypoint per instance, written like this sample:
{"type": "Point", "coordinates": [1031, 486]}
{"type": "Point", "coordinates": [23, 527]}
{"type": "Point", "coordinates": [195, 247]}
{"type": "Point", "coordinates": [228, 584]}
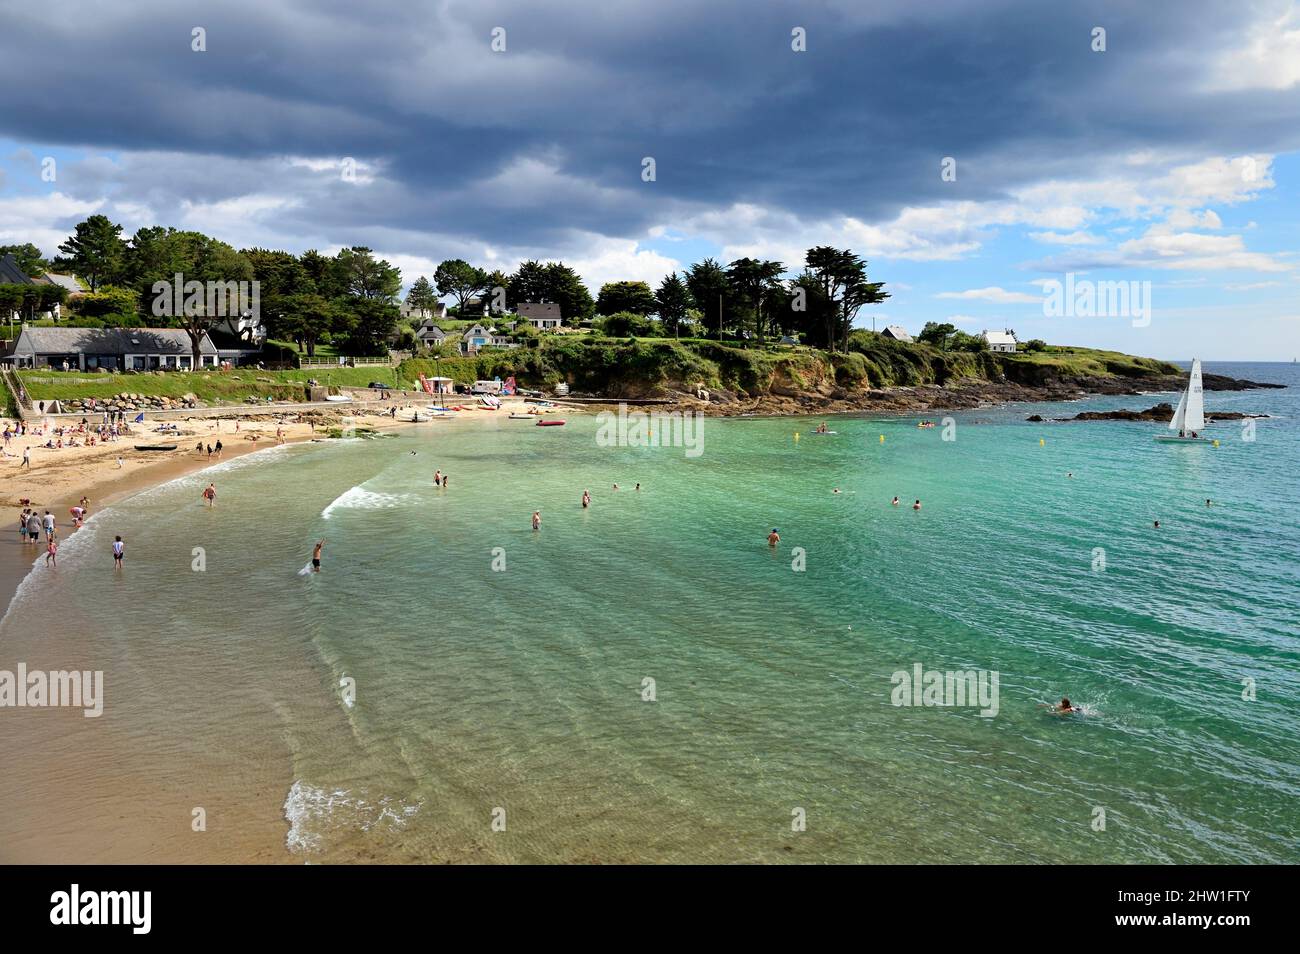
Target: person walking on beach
{"type": "Point", "coordinates": [537, 520]}
{"type": "Point", "coordinates": [22, 526]}
{"type": "Point", "coordinates": [209, 452]}
{"type": "Point", "coordinates": [119, 463]}
{"type": "Point", "coordinates": [49, 525]}
{"type": "Point", "coordinates": [27, 459]}
{"type": "Point", "coordinates": [210, 495]}
{"type": "Point", "coordinates": [33, 527]}
{"type": "Point", "coordinates": [119, 550]}
{"type": "Point", "coordinates": [586, 499]}
{"type": "Point", "coordinates": [773, 538]}
{"type": "Point", "coordinates": [198, 448]}
{"type": "Point", "coordinates": [218, 448]}
{"type": "Point", "coordinates": [315, 556]}
{"type": "Point", "coordinates": [51, 551]}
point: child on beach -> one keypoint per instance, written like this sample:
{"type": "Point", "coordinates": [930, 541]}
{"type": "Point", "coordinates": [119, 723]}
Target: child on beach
{"type": "Point", "coordinates": [51, 550]}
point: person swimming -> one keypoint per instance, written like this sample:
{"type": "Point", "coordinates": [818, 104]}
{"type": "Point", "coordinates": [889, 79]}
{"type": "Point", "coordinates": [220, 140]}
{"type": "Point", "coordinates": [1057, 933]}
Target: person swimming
{"type": "Point", "coordinates": [895, 502]}
{"type": "Point", "coordinates": [773, 538]}
{"type": "Point", "coordinates": [917, 505]}
{"type": "Point", "coordinates": [1066, 707]}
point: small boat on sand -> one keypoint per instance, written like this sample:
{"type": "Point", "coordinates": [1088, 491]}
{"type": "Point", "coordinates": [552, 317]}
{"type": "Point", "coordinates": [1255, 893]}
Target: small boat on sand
{"type": "Point", "coordinates": [337, 398]}
{"type": "Point", "coordinates": [523, 417]}
{"type": "Point", "coordinates": [551, 422]}
{"type": "Point", "coordinates": [155, 447]}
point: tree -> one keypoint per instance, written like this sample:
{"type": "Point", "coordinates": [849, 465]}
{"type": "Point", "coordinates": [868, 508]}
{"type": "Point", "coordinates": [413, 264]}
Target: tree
{"type": "Point", "coordinates": [937, 334]}
{"type": "Point", "coordinates": [673, 301]}
{"type": "Point", "coordinates": [373, 326]}
{"type": "Point", "coordinates": [110, 302]}
{"type": "Point", "coordinates": [422, 296]}
{"type": "Point", "coordinates": [461, 280]}
{"type": "Point", "coordinates": [564, 287]}
{"type": "Point", "coordinates": [1035, 344]}
{"type": "Point", "coordinates": [627, 324]}
{"type": "Point", "coordinates": [95, 250]}
{"type": "Point", "coordinates": [842, 277]}
{"type": "Point", "coordinates": [526, 284]}
{"type": "Point", "coordinates": [29, 259]}
{"type": "Point", "coordinates": [366, 277]}
{"type": "Point", "coordinates": [753, 281]}
{"type": "Point", "coordinates": [633, 297]}
{"type": "Point", "coordinates": [707, 282]}
{"type": "Point", "coordinates": [308, 317]}
{"type": "Point", "coordinates": [281, 278]}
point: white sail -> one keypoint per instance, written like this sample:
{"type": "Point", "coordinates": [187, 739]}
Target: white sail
{"type": "Point", "coordinates": [1180, 414]}
{"type": "Point", "coordinates": [1195, 416]}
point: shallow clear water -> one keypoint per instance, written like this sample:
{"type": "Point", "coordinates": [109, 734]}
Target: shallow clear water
{"type": "Point", "coordinates": [522, 689]}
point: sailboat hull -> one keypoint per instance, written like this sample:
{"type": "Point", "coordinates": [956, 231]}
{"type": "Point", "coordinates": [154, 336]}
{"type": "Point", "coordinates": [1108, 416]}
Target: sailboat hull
{"type": "Point", "coordinates": [1175, 439]}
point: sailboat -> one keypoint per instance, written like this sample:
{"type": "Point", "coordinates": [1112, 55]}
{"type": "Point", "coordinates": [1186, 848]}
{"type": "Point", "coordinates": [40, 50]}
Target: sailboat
{"type": "Point", "coordinates": [1189, 416]}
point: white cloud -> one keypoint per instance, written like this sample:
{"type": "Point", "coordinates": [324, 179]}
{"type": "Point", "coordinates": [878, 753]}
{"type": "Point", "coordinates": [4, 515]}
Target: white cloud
{"type": "Point", "coordinates": [994, 294]}
{"type": "Point", "coordinates": [1269, 59]}
{"type": "Point", "coordinates": [1071, 238]}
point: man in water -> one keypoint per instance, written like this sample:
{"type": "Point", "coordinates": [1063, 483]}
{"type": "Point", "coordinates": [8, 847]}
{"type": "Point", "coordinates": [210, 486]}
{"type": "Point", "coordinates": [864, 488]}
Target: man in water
{"type": "Point", "coordinates": [210, 495]}
{"type": "Point", "coordinates": [537, 520]}
{"type": "Point", "coordinates": [49, 525]}
{"type": "Point", "coordinates": [315, 556]}
{"type": "Point", "coordinates": [437, 478]}
{"type": "Point", "coordinates": [1065, 708]}
{"type": "Point", "coordinates": [119, 548]}
{"type": "Point", "coordinates": [917, 505]}
{"type": "Point", "coordinates": [1157, 524]}
{"type": "Point", "coordinates": [773, 538]}
{"type": "Point", "coordinates": [895, 502]}
{"type": "Point", "coordinates": [586, 499]}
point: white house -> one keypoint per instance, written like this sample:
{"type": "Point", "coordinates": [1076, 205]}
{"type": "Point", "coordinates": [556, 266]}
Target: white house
{"type": "Point", "coordinates": [430, 334]}
{"type": "Point", "coordinates": [111, 349]}
{"type": "Point", "coordinates": [1004, 341]}
{"type": "Point", "coordinates": [543, 315]}
{"type": "Point", "coordinates": [439, 310]}
{"type": "Point", "coordinates": [896, 332]}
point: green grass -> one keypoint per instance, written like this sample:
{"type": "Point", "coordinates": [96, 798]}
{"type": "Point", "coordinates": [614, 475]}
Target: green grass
{"type": "Point", "coordinates": [211, 387]}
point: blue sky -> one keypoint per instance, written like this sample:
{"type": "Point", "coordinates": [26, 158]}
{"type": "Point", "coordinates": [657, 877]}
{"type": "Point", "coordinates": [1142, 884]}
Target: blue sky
{"type": "Point", "coordinates": [1173, 157]}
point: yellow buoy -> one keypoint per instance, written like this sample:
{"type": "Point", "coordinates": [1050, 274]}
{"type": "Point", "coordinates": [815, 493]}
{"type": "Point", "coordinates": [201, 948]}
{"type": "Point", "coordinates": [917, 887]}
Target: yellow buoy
{"type": "Point", "coordinates": [1042, 443]}
{"type": "Point", "coordinates": [882, 438]}
{"type": "Point", "coordinates": [1216, 442]}
{"type": "Point", "coordinates": [796, 437]}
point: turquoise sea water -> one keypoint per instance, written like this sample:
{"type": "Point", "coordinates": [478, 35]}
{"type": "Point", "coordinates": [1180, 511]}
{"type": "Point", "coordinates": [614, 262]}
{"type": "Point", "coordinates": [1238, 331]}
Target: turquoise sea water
{"type": "Point", "coordinates": [523, 689]}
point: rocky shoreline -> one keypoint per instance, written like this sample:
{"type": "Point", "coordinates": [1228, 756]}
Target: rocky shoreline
{"type": "Point", "coordinates": [1161, 412]}
{"type": "Point", "coordinates": [961, 395]}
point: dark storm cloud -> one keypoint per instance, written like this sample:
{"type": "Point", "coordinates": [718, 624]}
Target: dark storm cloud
{"type": "Point", "coordinates": [857, 125]}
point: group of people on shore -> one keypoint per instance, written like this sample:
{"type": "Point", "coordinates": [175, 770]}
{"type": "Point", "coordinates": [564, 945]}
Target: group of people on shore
{"type": "Point", "coordinates": [31, 526]}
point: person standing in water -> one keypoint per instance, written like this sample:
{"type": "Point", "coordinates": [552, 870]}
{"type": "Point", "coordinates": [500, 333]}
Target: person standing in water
{"type": "Point", "coordinates": [537, 520]}
{"type": "Point", "coordinates": [773, 538]}
{"type": "Point", "coordinates": [51, 551]}
{"type": "Point", "coordinates": [917, 505]}
{"type": "Point", "coordinates": [895, 502]}
{"type": "Point", "coordinates": [119, 550]}
{"type": "Point", "coordinates": [315, 556]}
{"type": "Point", "coordinates": [586, 499]}
{"type": "Point", "coordinates": [210, 495]}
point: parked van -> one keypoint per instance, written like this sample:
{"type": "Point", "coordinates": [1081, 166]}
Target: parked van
{"type": "Point", "coordinates": [486, 387]}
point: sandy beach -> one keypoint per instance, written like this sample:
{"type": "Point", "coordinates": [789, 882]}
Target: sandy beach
{"type": "Point", "coordinates": [59, 477]}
